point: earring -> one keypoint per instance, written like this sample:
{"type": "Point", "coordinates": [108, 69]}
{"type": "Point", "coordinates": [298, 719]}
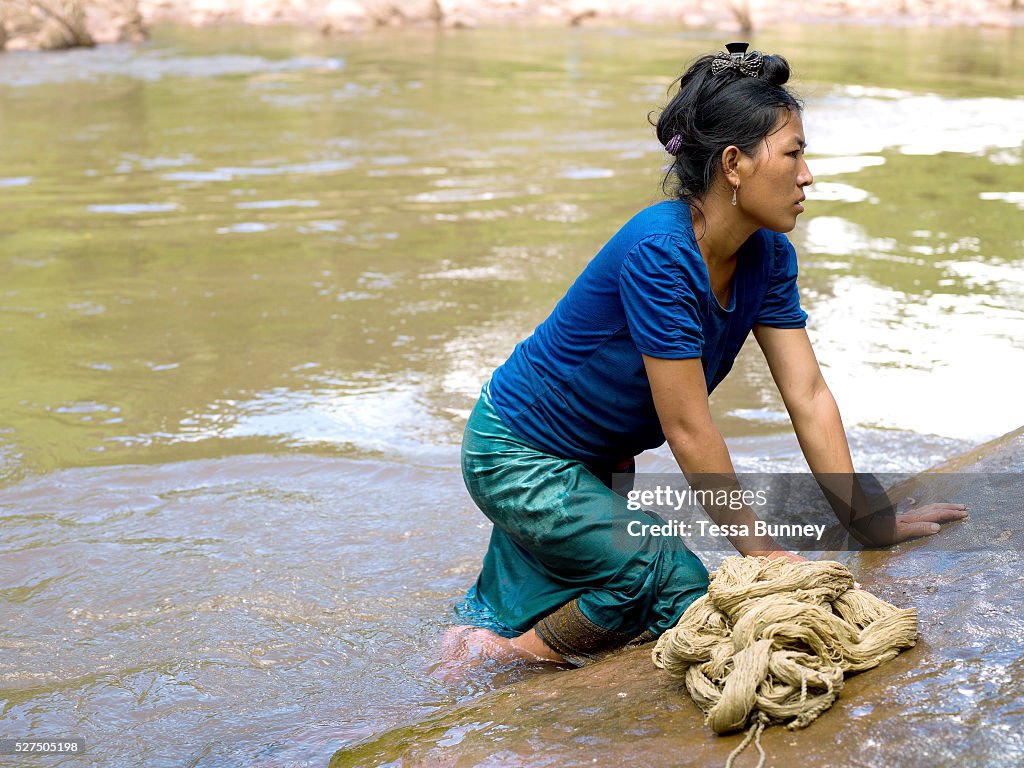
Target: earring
{"type": "Point", "coordinates": [734, 190]}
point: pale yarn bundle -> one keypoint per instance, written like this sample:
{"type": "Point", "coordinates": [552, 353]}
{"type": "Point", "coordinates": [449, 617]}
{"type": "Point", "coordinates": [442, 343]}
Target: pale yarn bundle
{"type": "Point", "coordinates": [772, 639]}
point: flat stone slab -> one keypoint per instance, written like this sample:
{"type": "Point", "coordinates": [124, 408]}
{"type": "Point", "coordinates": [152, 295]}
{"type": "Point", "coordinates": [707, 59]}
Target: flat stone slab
{"type": "Point", "coordinates": [956, 698]}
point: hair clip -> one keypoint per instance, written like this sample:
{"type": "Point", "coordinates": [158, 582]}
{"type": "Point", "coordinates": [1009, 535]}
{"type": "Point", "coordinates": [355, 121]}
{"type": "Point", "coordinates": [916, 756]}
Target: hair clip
{"type": "Point", "coordinates": [737, 58]}
{"type": "Point", "coordinates": [674, 144]}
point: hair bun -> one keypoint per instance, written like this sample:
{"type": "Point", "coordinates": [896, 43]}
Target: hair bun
{"type": "Point", "coordinates": [774, 69]}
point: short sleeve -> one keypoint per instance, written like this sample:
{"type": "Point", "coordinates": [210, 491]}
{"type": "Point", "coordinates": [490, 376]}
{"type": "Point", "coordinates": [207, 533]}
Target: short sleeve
{"type": "Point", "coordinates": [781, 305]}
{"type": "Point", "coordinates": [658, 295]}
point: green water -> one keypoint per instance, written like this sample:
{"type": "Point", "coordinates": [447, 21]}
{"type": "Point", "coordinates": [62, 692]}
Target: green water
{"type": "Point", "coordinates": [252, 280]}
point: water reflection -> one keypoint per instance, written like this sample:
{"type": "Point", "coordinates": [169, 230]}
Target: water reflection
{"type": "Point", "coordinates": [1015, 198]}
{"type": "Point", "coordinates": [885, 368]}
{"type": "Point", "coordinates": [853, 120]}
{"type": "Point", "coordinates": [837, 236]}
{"type": "Point", "coordinates": [132, 208]}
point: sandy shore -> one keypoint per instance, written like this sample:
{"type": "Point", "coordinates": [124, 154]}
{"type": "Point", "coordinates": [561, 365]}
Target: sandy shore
{"type": "Point", "coordinates": [54, 24]}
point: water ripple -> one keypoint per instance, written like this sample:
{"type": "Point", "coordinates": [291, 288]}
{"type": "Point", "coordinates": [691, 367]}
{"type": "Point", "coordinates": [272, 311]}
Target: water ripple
{"type": "Point", "coordinates": [30, 68]}
{"type": "Point", "coordinates": [129, 209]}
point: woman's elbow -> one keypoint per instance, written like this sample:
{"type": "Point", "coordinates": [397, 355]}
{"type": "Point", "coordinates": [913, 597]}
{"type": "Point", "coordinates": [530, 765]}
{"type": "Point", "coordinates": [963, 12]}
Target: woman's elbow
{"type": "Point", "coordinates": [689, 438]}
{"type": "Point", "coordinates": [814, 402]}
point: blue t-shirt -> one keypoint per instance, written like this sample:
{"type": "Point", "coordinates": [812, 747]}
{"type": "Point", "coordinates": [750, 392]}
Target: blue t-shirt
{"type": "Point", "coordinates": [578, 388]}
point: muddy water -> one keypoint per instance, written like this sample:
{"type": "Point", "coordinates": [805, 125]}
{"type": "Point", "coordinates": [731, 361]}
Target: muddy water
{"type": "Point", "coordinates": [251, 281]}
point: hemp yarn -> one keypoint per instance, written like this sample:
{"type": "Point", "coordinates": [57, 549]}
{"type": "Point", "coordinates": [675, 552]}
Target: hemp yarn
{"type": "Point", "coordinates": [772, 639]}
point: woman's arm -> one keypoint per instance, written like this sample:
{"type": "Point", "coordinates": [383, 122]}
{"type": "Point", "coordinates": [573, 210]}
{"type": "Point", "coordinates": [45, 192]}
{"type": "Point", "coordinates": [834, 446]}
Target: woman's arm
{"type": "Point", "coordinates": [819, 427]}
{"type": "Point", "coordinates": [812, 409]}
{"type": "Point", "coordinates": [681, 400]}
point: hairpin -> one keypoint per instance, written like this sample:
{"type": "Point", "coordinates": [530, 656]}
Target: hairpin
{"type": "Point", "coordinates": [748, 64]}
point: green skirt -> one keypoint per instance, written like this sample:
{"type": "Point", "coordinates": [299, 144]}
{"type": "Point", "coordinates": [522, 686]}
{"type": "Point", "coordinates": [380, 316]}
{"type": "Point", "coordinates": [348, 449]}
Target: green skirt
{"type": "Point", "coordinates": [560, 558]}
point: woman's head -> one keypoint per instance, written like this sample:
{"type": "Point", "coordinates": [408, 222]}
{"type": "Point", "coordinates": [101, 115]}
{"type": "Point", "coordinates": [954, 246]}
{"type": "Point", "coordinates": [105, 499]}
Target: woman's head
{"type": "Point", "coordinates": [726, 100]}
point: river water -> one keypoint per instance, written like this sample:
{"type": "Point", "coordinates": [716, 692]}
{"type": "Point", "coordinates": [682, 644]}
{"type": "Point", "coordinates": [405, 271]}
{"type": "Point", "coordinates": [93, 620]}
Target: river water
{"type": "Point", "coordinates": [252, 280]}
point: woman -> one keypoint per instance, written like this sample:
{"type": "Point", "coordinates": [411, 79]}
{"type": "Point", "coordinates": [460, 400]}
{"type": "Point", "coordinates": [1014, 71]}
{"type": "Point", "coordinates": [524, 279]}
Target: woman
{"type": "Point", "coordinates": [627, 360]}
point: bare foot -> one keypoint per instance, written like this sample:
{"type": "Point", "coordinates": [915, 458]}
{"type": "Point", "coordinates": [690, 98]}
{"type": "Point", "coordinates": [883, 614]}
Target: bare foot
{"type": "Point", "coordinates": [475, 644]}
{"type": "Point", "coordinates": [466, 647]}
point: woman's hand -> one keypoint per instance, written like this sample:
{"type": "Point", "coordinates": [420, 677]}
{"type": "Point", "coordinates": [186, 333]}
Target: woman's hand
{"type": "Point", "coordinates": [926, 520]}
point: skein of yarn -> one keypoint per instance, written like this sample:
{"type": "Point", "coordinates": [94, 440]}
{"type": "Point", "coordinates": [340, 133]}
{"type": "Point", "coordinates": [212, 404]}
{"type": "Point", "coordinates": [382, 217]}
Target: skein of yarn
{"type": "Point", "coordinates": [772, 639]}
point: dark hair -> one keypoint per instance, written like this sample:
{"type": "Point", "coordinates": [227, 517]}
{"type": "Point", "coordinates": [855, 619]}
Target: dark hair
{"type": "Point", "coordinates": [713, 111]}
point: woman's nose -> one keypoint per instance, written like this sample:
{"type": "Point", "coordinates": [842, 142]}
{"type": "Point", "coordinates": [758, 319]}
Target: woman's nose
{"type": "Point", "coordinates": [805, 179]}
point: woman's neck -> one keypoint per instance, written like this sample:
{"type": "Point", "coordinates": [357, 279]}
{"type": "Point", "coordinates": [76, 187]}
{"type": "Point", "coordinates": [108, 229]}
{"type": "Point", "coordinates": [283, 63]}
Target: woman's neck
{"type": "Point", "coordinates": [722, 229]}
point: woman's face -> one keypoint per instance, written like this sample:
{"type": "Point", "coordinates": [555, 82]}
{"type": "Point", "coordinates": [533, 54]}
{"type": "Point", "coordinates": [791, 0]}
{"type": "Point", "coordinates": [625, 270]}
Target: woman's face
{"type": "Point", "coordinates": [772, 181]}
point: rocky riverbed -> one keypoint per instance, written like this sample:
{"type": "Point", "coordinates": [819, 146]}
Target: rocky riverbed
{"type": "Point", "coordinates": [56, 24]}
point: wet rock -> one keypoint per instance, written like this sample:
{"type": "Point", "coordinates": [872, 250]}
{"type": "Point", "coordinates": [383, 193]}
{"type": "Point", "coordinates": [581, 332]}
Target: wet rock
{"type": "Point", "coordinates": [343, 16]}
{"type": "Point", "coordinates": [953, 699]}
{"type": "Point", "coordinates": [24, 25]}
{"type": "Point", "coordinates": [60, 24]}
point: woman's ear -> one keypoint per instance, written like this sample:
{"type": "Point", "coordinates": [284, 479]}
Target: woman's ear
{"type": "Point", "coordinates": [730, 161]}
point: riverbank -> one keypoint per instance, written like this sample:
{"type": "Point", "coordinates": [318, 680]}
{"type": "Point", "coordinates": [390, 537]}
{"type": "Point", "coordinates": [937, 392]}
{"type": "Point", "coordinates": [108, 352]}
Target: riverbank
{"type": "Point", "coordinates": [56, 24]}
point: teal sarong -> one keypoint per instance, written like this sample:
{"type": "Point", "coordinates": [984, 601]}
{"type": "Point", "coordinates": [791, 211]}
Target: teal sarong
{"type": "Point", "coordinates": [560, 558]}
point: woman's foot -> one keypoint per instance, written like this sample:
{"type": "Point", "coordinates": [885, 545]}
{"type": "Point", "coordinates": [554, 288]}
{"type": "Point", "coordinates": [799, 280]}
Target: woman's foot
{"type": "Point", "coordinates": [465, 647]}
{"type": "Point", "coordinates": [475, 644]}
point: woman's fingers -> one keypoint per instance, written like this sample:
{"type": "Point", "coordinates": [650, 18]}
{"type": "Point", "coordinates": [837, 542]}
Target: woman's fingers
{"type": "Point", "coordinates": [907, 530]}
{"type": "Point", "coordinates": [934, 513]}
{"type": "Point", "coordinates": [925, 521]}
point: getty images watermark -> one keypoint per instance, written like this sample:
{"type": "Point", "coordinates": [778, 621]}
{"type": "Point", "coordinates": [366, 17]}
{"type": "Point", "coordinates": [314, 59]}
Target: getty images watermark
{"type": "Point", "coordinates": [799, 511]}
{"type": "Point", "coordinates": [734, 500]}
